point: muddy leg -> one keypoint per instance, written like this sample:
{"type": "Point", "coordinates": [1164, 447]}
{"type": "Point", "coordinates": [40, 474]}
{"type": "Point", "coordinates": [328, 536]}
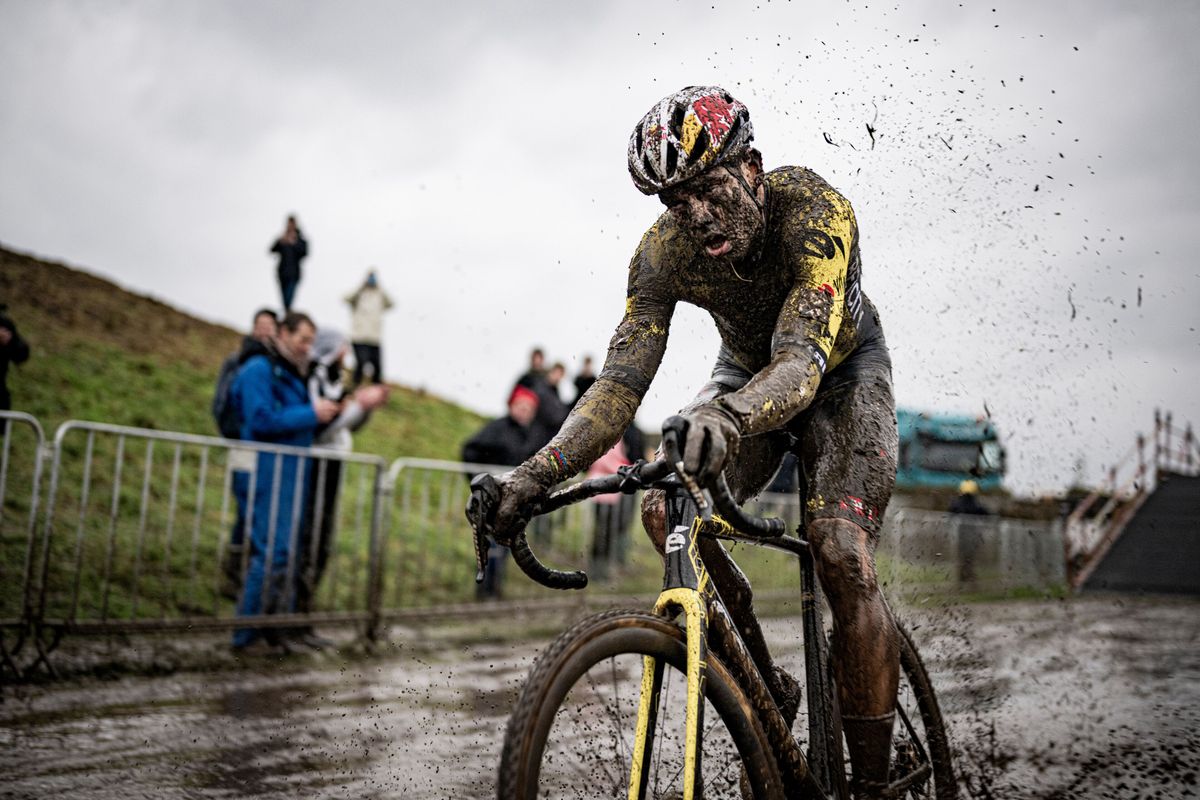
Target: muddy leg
{"type": "Point", "coordinates": [866, 653]}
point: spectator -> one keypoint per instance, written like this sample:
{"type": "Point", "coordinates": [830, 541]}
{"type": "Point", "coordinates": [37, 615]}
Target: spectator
{"type": "Point", "coordinates": [970, 529]}
{"type": "Point", "coordinates": [292, 249]}
{"type": "Point", "coordinates": [229, 423]}
{"type": "Point", "coordinates": [584, 380]}
{"type": "Point", "coordinates": [608, 511]}
{"type": "Point", "coordinates": [275, 407]}
{"type": "Point", "coordinates": [13, 350]}
{"type": "Point", "coordinates": [537, 369]}
{"type": "Point", "coordinates": [506, 441]}
{"type": "Point", "coordinates": [367, 306]}
{"type": "Point", "coordinates": [551, 412]}
{"type": "Point", "coordinates": [551, 409]}
{"type": "Point", "coordinates": [635, 449]}
{"type": "Point", "coordinates": [325, 381]}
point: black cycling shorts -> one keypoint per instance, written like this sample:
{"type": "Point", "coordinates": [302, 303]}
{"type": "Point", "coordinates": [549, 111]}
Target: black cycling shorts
{"type": "Point", "coordinates": [846, 441]}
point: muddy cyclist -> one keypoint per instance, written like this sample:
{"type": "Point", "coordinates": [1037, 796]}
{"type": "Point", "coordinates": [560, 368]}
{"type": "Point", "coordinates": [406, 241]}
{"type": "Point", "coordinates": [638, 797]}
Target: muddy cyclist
{"type": "Point", "coordinates": [803, 366]}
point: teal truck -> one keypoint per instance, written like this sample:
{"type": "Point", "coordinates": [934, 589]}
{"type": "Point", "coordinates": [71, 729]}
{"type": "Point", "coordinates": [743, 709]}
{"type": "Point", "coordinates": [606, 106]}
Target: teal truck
{"type": "Point", "coordinates": [939, 451]}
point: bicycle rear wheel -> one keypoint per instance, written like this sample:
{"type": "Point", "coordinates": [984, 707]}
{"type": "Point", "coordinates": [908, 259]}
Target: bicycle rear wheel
{"type": "Point", "coordinates": [572, 731]}
{"type": "Point", "coordinates": [921, 759]}
{"type": "Point", "coordinates": [919, 743]}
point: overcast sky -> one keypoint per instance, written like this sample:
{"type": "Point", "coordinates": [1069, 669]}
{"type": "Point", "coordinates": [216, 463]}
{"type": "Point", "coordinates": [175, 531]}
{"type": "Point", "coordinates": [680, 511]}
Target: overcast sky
{"type": "Point", "coordinates": [1029, 208]}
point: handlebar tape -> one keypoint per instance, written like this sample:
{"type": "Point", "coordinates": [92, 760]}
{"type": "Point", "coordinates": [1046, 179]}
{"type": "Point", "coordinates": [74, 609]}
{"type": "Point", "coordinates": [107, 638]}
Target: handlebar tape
{"type": "Point", "coordinates": [764, 527]}
{"type": "Point", "coordinates": [537, 571]}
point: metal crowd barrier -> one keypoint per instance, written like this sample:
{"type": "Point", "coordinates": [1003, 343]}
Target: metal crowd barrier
{"type": "Point", "coordinates": [137, 532]}
{"type": "Point", "coordinates": [139, 524]}
{"type": "Point", "coordinates": [429, 557]}
{"type": "Point", "coordinates": [22, 454]}
{"type": "Point", "coordinates": [922, 550]}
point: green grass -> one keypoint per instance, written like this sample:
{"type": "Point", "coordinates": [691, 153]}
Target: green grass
{"type": "Point", "coordinates": [104, 354]}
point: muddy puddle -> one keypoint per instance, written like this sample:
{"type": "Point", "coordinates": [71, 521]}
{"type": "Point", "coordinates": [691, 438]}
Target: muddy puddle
{"type": "Point", "coordinates": [1092, 698]}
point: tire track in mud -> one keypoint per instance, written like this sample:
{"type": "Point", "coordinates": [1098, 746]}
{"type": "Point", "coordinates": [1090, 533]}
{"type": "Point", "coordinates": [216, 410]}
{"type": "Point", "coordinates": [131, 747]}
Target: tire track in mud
{"type": "Point", "coordinates": [1091, 698]}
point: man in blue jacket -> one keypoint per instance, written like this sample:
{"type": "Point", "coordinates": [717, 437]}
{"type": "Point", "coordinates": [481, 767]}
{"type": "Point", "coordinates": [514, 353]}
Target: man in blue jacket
{"type": "Point", "coordinates": [275, 406]}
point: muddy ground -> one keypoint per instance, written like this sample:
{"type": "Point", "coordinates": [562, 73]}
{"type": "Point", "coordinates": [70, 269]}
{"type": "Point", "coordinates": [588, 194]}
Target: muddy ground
{"type": "Point", "coordinates": [1089, 698]}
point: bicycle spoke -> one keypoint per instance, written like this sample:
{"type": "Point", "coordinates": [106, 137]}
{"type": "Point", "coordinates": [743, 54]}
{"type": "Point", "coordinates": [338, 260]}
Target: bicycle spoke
{"type": "Point", "coordinates": [665, 691]}
{"type": "Point", "coordinates": [607, 712]}
{"type": "Point", "coordinates": [704, 736]}
{"type": "Point", "coordinates": [620, 723]}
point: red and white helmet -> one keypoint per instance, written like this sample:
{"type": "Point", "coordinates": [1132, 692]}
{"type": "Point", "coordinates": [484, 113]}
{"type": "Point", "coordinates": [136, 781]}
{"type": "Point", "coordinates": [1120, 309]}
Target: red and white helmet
{"type": "Point", "coordinates": [684, 134]}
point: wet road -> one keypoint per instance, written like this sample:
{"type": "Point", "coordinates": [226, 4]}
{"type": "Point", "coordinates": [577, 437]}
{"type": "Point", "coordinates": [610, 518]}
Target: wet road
{"type": "Point", "coordinates": [1091, 698]}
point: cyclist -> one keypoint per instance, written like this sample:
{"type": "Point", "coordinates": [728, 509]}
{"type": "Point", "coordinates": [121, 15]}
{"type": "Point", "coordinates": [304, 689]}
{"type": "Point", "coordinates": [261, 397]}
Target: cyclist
{"type": "Point", "coordinates": [774, 258]}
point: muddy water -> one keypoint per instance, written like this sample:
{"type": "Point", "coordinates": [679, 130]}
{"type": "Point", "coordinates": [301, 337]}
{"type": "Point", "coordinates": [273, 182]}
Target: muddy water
{"type": "Point", "coordinates": [1093, 698]}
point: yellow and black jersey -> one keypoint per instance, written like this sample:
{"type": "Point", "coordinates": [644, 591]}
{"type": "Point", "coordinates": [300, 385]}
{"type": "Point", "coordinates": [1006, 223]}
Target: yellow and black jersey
{"type": "Point", "coordinates": [787, 315]}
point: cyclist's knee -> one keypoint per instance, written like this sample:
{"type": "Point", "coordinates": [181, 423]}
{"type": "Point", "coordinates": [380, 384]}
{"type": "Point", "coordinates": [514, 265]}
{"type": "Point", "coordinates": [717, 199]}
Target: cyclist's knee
{"type": "Point", "coordinates": [654, 518]}
{"type": "Point", "coordinates": [844, 558]}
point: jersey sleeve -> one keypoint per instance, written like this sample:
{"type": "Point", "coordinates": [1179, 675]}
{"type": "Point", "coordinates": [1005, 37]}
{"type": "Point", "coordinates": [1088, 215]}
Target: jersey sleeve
{"type": "Point", "coordinates": [820, 248]}
{"type": "Point", "coordinates": [635, 351]}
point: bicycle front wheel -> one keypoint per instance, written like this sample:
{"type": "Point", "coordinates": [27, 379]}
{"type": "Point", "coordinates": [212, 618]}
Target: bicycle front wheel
{"type": "Point", "coordinates": [572, 731]}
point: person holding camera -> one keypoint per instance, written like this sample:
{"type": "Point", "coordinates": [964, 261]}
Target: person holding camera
{"type": "Point", "coordinates": [292, 248]}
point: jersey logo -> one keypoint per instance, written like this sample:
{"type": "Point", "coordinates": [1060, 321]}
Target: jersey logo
{"type": "Point", "coordinates": [854, 299]}
{"type": "Point", "coordinates": [818, 244]}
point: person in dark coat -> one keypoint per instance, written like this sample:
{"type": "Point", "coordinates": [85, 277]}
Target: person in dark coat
{"type": "Point", "coordinates": [970, 531]}
{"type": "Point", "coordinates": [551, 409]}
{"type": "Point", "coordinates": [325, 380]}
{"type": "Point", "coordinates": [584, 380]}
{"type": "Point", "coordinates": [506, 441]}
{"type": "Point", "coordinates": [292, 248]}
{"type": "Point", "coordinates": [13, 350]}
{"type": "Point", "coordinates": [536, 371]}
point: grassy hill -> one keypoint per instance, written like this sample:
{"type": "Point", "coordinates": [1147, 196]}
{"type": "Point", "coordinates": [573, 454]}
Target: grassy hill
{"type": "Point", "coordinates": [106, 354]}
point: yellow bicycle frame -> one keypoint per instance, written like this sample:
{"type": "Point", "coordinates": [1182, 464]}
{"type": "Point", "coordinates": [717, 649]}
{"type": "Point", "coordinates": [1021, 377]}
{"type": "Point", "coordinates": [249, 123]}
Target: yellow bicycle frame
{"type": "Point", "coordinates": [685, 588]}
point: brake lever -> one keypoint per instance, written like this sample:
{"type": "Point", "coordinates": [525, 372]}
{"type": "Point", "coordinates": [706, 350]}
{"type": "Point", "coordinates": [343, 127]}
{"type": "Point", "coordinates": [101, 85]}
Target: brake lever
{"type": "Point", "coordinates": [485, 496]}
{"type": "Point", "coordinates": [673, 428]}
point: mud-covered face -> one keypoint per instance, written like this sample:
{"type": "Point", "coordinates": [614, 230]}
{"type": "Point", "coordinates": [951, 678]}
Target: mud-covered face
{"type": "Point", "coordinates": [715, 208]}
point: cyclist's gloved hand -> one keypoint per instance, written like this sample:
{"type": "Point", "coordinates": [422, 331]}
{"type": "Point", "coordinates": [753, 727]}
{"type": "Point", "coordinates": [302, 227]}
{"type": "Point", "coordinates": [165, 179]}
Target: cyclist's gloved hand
{"type": "Point", "coordinates": [521, 492]}
{"type": "Point", "coordinates": [710, 443]}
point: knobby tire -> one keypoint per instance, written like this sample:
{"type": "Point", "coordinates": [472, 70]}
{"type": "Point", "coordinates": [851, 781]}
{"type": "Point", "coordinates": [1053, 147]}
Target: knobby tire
{"type": "Point", "coordinates": [592, 643]}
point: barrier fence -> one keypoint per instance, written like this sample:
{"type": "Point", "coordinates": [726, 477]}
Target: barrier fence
{"type": "Point", "coordinates": [139, 530]}
{"type": "Point", "coordinates": [22, 455]}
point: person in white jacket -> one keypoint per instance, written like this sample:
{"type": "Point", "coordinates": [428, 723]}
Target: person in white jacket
{"type": "Point", "coordinates": [367, 307]}
{"type": "Point", "coordinates": [325, 382]}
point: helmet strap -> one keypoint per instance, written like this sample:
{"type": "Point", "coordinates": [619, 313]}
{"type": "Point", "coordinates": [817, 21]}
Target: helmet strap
{"type": "Point", "coordinates": [736, 172]}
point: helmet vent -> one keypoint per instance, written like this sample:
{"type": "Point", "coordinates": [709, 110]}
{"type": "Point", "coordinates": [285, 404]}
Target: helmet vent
{"type": "Point", "coordinates": [703, 140]}
{"type": "Point", "coordinates": [672, 159]}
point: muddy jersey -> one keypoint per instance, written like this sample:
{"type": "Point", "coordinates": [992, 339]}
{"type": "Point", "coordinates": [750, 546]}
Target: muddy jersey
{"type": "Point", "coordinates": [788, 315]}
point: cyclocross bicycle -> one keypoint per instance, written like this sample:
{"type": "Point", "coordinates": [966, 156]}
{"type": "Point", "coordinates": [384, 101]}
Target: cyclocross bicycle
{"type": "Point", "coordinates": [620, 705]}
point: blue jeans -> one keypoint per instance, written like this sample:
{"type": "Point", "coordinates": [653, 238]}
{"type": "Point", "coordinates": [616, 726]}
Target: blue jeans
{"type": "Point", "coordinates": [270, 585]}
{"type": "Point", "coordinates": [241, 495]}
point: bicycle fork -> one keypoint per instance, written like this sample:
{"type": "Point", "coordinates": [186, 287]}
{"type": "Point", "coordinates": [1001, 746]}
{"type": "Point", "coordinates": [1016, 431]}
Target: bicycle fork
{"type": "Point", "coordinates": [684, 585]}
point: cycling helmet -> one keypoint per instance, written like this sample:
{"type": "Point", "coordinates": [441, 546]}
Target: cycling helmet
{"type": "Point", "coordinates": [684, 134]}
